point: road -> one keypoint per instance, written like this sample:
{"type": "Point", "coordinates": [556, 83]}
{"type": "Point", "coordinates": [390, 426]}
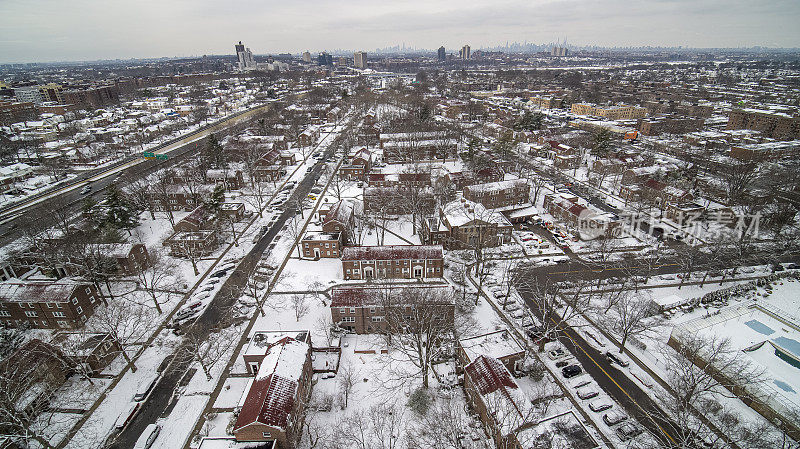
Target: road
{"type": "Point", "coordinates": [180, 360]}
{"type": "Point", "coordinates": [39, 207]}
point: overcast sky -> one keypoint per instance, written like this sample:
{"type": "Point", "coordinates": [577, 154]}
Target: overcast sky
{"type": "Point", "coordinates": [61, 30]}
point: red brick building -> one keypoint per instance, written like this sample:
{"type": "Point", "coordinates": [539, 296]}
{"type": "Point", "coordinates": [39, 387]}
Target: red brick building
{"type": "Point", "coordinates": [65, 303]}
{"type": "Point", "coordinates": [273, 409]}
{"type": "Point", "coordinates": [393, 262]}
{"type": "Point", "coordinates": [318, 245]}
{"type": "Point", "coordinates": [499, 194]}
{"type": "Point", "coordinates": [362, 309]}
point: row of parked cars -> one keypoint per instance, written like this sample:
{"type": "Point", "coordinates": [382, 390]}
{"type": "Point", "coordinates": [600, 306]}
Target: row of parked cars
{"type": "Point", "coordinates": [587, 390]}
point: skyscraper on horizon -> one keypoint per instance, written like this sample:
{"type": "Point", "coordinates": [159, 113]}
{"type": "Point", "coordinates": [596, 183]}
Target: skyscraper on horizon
{"type": "Point", "coordinates": [306, 56]}
{"type": "Point", "coordinates": [464, 53]}
{"type": "Point", "coordinates": [245, 57]}
{"type": "Point", "coordinates": [442, 53]}
{"type": "Point", "coordinates": [360, 59]}
{"type": "Point", "coordinates": [324, 58]}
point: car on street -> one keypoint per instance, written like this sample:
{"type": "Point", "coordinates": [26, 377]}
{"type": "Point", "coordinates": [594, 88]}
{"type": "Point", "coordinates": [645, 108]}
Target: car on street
{"type": "Point", "coordinates": [614, 417]}
{"type": "Point", "coordinates": [86, 189]}
{"type": "Point", "coordinates": [571, 371]}
{"type": "Point", "coordinates": [599, 405]}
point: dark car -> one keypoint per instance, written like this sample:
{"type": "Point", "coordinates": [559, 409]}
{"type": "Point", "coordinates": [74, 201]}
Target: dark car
{"type": "Point", "coordinates": [571, 371]}
{"type": "Point", "coordinates": [562, 364]}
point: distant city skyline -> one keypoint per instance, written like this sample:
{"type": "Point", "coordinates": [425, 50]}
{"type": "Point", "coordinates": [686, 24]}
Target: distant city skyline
{"type": "Point", "coordinates": [49, 30]}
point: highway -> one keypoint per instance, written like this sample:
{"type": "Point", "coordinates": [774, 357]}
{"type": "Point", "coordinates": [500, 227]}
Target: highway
{"type": "Point", "coordinates": [40, 206]}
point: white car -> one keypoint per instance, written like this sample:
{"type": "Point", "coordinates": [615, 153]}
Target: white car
{"type": "Point", "coordinates": [148, 437]}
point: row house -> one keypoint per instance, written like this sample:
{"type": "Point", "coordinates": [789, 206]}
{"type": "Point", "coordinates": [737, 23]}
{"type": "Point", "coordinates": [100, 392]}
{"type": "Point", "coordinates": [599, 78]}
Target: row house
{"type": "Point", "coordinates": [566, 207]}
{"type": "Point", "coordinates": [12, 174]}
{"type": "Point", "coordinates": [317, 245]}
{"type": "Point", "coordinates": [181, 197]}
{"type": "Point", "coordinates": [461, 179]}
{"type": "Point", "coordinates": [662, 194]}
{"type": "Point", "coordinates": [191, 244]}
{"type": "Point", "coordinates": [465, 224]}
{"type": "Point", "coordinates": [199, 219]}
{"type": "Point", "coordinates": [616, 165]}
{"type": "Point", "coordinates": [93, 351]}
{"type": "Point", "coordinates": [395, 200]}
{"type": "Point", "coordinates": [65, 303]}
{"type": "Point", "coordinates": [638, 175]}
{"type": "Point", "coordinates": [230, 179]}
{"type": "Point", "coordinates": [393, 262]}
{"type": "Point", "coordinates": [363, 309]}
{"type": "Point", "coordinates": [309, 137]}
{"type": "Point", "coordinates": [360, 164]}
{"type": "Point", "coordinates": [273, 409]}
{"type": "Point", "coordinates": [498, 194]}
{"type": "Point", "coordinates": [129, 258]}
{"type": "Point", "coordinates": [341, 219]}
{"type": "Point", "coordinates": [232, 211]}
{"type": "Point", "coordinates": [501, 345]}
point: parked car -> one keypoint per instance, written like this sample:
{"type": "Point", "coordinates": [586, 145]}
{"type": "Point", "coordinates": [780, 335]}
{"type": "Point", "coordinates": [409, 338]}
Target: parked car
{"type": "Point", "coordinates": [571, 371]}
{"type": "Point", "coordinates": [86, 189]}
{"type": "Point", "coordinates": [587, 392]}
{"type": "Point", "coordinates": [145, 388]}
{"type": "Point", "coordinates": [556, 353]}
{"type": "Point", "coordinates": [627, 431]}
{"type": "Point", "coordinates": [562, 364]}
{"type": "Point", "coordinates": [614, 417]}
{"type": "Point", "coordinates": [127, 415]}
{"type": "Point", "coordinates": [616, 358]}
{"type": "Point", "coordinates": [219, 274]}
{"type": "Point", "coordinates": [599, 405]}
{"type": "Point", "coordinates": [148, 437]}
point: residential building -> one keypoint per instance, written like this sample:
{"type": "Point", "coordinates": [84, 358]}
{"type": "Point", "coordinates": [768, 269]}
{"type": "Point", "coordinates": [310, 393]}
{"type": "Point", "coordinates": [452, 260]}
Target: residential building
{"type": "Point", "coordinates": [498, 194]}
{"type": "Point", "coordinates": [392, 262]}
{"type": "Point", "coordinates": [244, 57]}
{"type": "Point", "coordinates": [465, 224]}
{"type": "Point", "coordinates": [65, 303]}
{"type": "Point", "coordinates": [128, 257]}
{"type": "Point", "coordinates": [501, 345]}
{"type": "Point", "coordinates": [363, 309]}
{"type": "Point", "coordinates": [559, 51]}
{"type": "Point", "coordinates": [464, 53]}
{"type": "Point", "coordinates": [777, 124]}
{"type": "Point", "coordinates": [318, 245]}
{"type": "Point", "coordinates": [272, 410]}
{"type": "Point", "coordinates": [579, 214]}
{"type": "Point", "coordinates": [340, 219]}
{"type": "Point", "coordinates": [306, 56]}
{"type": "Point", "coordinates": [766, 150]}
{"type": "Point", "coordinates": [615, 112]}
{"type": "Point", "coordinates": [92, 351]}
{"type": "Point", "coordinates": [441, 54]}
{"type": "Point", "coordinates": [191, 244]}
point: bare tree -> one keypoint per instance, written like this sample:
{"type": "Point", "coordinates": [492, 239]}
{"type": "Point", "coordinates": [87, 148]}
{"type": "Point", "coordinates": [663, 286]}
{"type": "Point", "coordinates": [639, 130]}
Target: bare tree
{"type": "Point", "coordinates": [299, 302]}
{"type": "Point", "coordinates": [127, 322]}
{"type": "Point", "coordinates": [346, 379]}
{"type": "Point", "coordinates": [419, 323]}
{"type": "Point", "coordinates": [159, 272]}
{"type": "Point", "coordinates": [209, 346]}
{"type": "Point", "coordinates": [630, 313]}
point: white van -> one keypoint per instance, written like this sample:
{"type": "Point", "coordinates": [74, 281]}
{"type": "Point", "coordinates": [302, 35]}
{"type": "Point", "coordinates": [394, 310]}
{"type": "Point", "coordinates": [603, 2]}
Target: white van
{"type": "Point", "coordinates": [148, 436]}
{"type": "Point", "coordinates": [145, 388]}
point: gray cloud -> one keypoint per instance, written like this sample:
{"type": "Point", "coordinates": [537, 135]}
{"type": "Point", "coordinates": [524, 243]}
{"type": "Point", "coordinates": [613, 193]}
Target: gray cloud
{"type": "Point", "coordinates": [47, 30]}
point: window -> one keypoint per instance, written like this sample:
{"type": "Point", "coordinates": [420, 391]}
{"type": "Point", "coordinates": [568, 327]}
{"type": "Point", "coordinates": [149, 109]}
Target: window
{"type": "Point", "coordinates": [30, 314]}
{"type": "Point", "coordinates": [327, 245]}
{"type": "Point", "coordinates": [348, 319]}
{"type": "Point", "coordinates": [377, 319]}
{"type": "Point", "coordinates": [342, 310]}
{"type": "Point", "coordinates": [79, 310]}
{"type": "Point", "coordinates": [88, 291]}
{"type": "Point", "coordinates": [266, 434]}
{"type": "Point", "coordinates": [75, 301]}
{"type": "Point", "coordinates": [62, 323]}
{"type": "Point", "coordinates": [352, 310]}
{"type": "Point", "coordinates": [306, 244]}
{"type": "Point", "coordinates": [59, 314]}
{"type": "Point", "coordinates": [91, 299]}
{"type": "Point", "coordinates": [58, 305]}
{"type": "Point", "coordinates": [30, 305]}
{"type": "Point", "coordinates": [372, 310]}
{"type": "Point", "coordinates": [347, 271]}
{"type": "Point", "coordinates": [49, 305]}
{"type": "Point", "coordinates": [5, 313]}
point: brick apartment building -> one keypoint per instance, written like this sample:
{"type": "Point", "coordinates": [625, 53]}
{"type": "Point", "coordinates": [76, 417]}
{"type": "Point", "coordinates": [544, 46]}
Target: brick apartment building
{"type": "Point", "coordinates": [129, 257]}
{"type": "Point", "coordinates": [359, 165]}
{"type": "Point", "coordinates": [363, 309]}
{"type": "Point", "coordinates": [92, 350]}
{"type": "Point", "coordinates": [566, 206]}
{"type": "Point", "coordinates": [499, 194]}
{"type": "Point", "coordinates": [775, 124]}
{"type": "Point", "coordinates": [65, 303]}
{"type": "Point", "coordinates": [615, 112]}
{"type": "Point", "coordinates": [272, 411]}
{"type": "Point", "coordinates": [393, 262]}
{"type": "Point", "coordinates": [466, 224]}
{"type": "Point", "coordinates": [318, 245]}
